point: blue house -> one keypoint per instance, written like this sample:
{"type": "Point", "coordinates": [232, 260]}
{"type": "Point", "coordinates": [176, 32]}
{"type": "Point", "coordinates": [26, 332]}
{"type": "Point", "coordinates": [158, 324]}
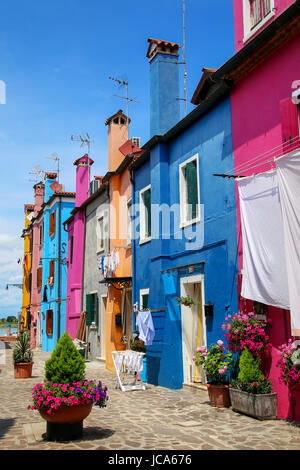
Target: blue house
{"type": "Point", "coordinates": [57, 208]}
{"type": "Point", "coordinates": [184, 222]}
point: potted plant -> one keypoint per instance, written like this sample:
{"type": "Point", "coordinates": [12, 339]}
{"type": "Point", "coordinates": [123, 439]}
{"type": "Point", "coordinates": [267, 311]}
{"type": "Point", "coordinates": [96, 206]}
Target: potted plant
{"type": "Point", "coordinates": [66, 398]}
{"type": "Point", "coordinates": [217, 364]}
{"type": "Point", "coordinates": [22, 357]}
{"type": "Point", "coordinates": [289, 364]}
{"type": "Point", "coordinates": [187, 301]}
{"type": "Point", "coordinates": [251, 393]}
{"type": "Point", "coordinates": [137, 345]}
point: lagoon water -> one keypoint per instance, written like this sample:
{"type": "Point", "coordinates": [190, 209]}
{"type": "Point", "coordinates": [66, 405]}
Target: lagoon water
{"type": "Point", "coordinates": [12, 331]}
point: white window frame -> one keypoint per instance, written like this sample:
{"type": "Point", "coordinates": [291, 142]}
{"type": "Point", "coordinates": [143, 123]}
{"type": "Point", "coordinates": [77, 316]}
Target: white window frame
{"type": "Point", "coordinates": [129, 221]}
{"type": "Point", "coordinates": [143, 238]}
{"type": "Point", "coordinates": [183, 195]}
{"type": "Point", "coordinates": [248, 32]}
{"type": "Point", "coordinates": [142, 293]}
{"type": "Point", "coordinates": [99, 235]}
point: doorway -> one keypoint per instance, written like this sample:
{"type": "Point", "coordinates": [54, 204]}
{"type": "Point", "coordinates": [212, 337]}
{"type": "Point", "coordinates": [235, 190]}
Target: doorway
{"type": "Point", "coordinates": [127, 317]}
{"type": "Point", "coordinates": [102, 326]}
{"type": "Point", "coordinates": [193, 327]}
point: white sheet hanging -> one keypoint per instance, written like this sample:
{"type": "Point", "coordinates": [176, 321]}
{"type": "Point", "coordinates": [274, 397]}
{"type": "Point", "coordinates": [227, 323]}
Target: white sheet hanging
{"type": "Point", "coordinates": [264, 270]}
{"type": "Point", "coordinates": [145, 326]}
{"type": "Point", "coordinates": [288, 169]}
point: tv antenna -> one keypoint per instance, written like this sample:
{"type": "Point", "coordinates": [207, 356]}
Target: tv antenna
{"type": "Point", "coordinates": [56, 160]}
{"type": "Point", "coordinates": [85, 140]}
{"type": "Point", "coordinates": [38, 174]}
{"type": "Point", "coordinates": [128, 100]}
{"type": "Point", "coordinates": [184, 62]}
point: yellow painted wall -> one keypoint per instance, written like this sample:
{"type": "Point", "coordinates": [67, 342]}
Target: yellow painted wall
{"type": "Point", "coordinates": [26, 270]}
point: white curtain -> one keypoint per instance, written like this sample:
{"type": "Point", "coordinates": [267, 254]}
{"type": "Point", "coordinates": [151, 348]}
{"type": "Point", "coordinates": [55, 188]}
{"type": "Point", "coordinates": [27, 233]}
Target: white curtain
{"type": "Point", "coordinates": [264, 273]}
{"type": "Point", "coordinates": [288, 170]}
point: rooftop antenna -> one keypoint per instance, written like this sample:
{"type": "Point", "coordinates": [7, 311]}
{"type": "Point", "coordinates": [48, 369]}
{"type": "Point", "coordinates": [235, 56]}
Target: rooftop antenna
{"type": "Point", "coordinates": [38, 174]}
{"type": "Point", "coordinates": [125, 83]}
{"type": "Point", "coordinates": [184, 61]}
{"type": "Point", "coordinates": [56, 159]}
{"type": "Point", "coordinates": [85, 139]}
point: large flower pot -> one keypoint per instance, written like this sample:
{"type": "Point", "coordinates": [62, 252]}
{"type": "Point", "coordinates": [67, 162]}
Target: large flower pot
{"type": "Point", "coordinates": [295, 400]}
{"type": "Point", "coordinates": [66, 423]}
{"type": "Point", "coordinates": [23, 370]}
{"type": "Point", "coordinates": [218, 395]}
{"type": "Point", "coordinates": [260, 406]}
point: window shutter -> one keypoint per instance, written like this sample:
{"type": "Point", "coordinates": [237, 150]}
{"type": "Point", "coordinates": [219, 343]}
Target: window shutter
{"type": "Point", "coordinates": [147, 204]}
{"type": "Point", "coordinates": [289, 125]}
{"type": "Point", "coordinates": [49, 322]}
{"type": "Point", "coordinates": [145, 299]}
{"type": "Point", "coordinates": [96, 310]}
{"type": "Point", "coordinates": [192, 189]}
{"type": "Point", "coordinates": [89, 309]}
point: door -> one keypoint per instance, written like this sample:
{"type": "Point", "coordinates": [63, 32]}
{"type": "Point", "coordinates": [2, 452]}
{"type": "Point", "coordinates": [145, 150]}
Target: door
{"type": "Point", "coordinates": [193, 327]}
{"type": "Point", "coordinates": [102, 325]}
{"type": "Point", "coordinates": [127, 320]}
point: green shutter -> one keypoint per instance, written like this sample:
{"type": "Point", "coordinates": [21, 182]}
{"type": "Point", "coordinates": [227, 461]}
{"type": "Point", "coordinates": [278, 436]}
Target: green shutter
{"type": "Point", "coordinates": [145, 299]}
{"type": "Point", "coordinates": [147, 203]}
{"type": "Point", "coordinates": [96, 310]}
{"type": "Point", "coordinates": [192, 189]}
{"type": "Point", "coordinates": [89, 309]}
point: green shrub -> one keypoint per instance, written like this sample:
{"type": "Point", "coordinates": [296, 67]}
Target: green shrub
{"type": "Point", "coordinates": [65, 365]}
{"type": "Point", "coordinates": [249, 368]}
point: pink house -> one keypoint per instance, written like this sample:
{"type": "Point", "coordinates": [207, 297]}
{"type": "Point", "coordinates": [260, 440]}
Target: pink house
{"type": "Point", "coordinates": [75, 228]}
{"type": "Point", "coordinates": [265, 121]}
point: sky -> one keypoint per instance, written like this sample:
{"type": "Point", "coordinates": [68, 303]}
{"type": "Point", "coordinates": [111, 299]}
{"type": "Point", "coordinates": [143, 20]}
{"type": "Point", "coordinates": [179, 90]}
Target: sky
{"type": "Point", "coordinates": [56, 57]}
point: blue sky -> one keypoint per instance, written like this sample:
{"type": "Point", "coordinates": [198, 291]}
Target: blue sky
{"type": "Point", "coordinates": [55, 59]}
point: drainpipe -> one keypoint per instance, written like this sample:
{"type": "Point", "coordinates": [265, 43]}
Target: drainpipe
{"type": "Point", "coordinates": [83, 254]}
{"type": "Point", "coordinates": [133, 244]}
{"type": "Point", "coordinates": [58, 276]}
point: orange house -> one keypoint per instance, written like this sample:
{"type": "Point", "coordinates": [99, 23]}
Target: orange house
{"type": "Point", "coordinates": [119, 322]}
{"type": "Point", "coordinates": [27, 235]}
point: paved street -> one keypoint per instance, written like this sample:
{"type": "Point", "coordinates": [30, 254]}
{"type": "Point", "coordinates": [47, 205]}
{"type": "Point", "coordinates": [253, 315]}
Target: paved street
{"type": "Point", "coordinates": [157, 418]}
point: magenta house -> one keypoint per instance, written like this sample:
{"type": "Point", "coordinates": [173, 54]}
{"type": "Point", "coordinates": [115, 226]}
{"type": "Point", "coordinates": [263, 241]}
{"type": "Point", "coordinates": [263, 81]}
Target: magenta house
{"type": "Point", "coordinates": [75, 227]}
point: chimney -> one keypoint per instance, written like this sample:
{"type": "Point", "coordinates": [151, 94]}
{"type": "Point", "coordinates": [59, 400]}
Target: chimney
{"type": "Point", "coordinates": [49, 180]}
{"type": "Point", "coordinates": [39, 192]}
{"type": "Point", "coordinates": [82, 179]}
{"type": "Point", "coordinates": [117, 136]}
{"type": "Point", "coordinates": [164, 85]}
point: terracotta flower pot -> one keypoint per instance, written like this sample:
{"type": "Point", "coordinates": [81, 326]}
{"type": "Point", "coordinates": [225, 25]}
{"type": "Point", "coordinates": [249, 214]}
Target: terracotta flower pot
{"type": "Point", "coordinates": [219, 395]}
{"type": "Point", "coordinates": [23, 370]}
{"type": "Point", "coordinates": [67, 414]}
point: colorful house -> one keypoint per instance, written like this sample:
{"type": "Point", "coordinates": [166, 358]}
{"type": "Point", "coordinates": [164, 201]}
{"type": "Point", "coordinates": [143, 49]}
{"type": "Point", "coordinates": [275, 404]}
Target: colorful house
{"type": "Point", "coordinates": [184, 242]}
{"type": "Point", "coordinates": [57, 208]}
{"type": "Point", "coordinates": [119, 324]}
{"type": "Point", "coordinates": [75, 233]}
{"type": "Point", "coordinates": [262, 76]}
{"type": "Point", "coordinates": [36, 269]}
{"type": "Point", "coordinates": [27, 235]}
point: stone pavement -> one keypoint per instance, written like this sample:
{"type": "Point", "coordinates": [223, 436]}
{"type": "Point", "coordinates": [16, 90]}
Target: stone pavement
{"type": "Point", "coordinates": [155, 419]}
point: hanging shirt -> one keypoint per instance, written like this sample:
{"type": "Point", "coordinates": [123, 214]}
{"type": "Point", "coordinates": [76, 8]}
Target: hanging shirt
{"type": "Point", "coordinates": [145, 326]}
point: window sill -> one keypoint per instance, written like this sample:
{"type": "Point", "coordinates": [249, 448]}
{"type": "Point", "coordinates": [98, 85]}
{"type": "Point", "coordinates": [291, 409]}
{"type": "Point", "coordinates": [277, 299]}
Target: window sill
{"type": "Point", "coordinates": [189, 223]}
{"type": "Point", "coordinates": [145, 240]}
{"type": "Point", "coordinates": [258, 26]}
{"type": "Point", "coordinates": [100, 252]}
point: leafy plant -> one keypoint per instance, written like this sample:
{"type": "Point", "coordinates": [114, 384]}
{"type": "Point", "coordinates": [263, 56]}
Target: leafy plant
{"type": "Point", "coordinates": [186, 301]}
{"type": "Point", "coordinates": [137, 345]}
{"type": "Point", "coordinates": [289, 363]}
{"type": "Point", "coordinates": [22, 352]}
{"type": "Point", "coordinates": [66, 365]}
{"type": "Point", "coordinates": [216, 362]}
{"type": "Point", "coordinates": [250, 378]}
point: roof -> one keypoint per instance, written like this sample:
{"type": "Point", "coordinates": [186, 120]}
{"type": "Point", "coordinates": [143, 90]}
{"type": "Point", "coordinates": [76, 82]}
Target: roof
{"type": "Point", "coordinates": [206, 72]}
{"type": "Point", "coordinates": [84, 159]}
{"type": "Point", "coordinates": [119, 113]}
{"type": "Point", "coordinates": [171, 47]}
{"type": "Point", "coordinates": [129, 148]}
{"type": "Point", "coordinates": [28, 207]}
{"type": "Point", "coordinates": [50, 175]}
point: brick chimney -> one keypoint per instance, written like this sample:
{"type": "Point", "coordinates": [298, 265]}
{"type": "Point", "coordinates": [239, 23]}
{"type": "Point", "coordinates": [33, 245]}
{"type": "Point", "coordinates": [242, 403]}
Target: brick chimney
{"type": "Point", "coordinates": [82, 179]}
{"type": "Point", "coordinates": [39, 193]}
{"type": "Point", "coordinates": [164, 85]}
{"type": "Point", "coordinates": [117, 136]}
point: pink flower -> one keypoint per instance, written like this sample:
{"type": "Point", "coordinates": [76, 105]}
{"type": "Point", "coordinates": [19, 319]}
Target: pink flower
{"type": "Point", "coordinates": [220, 343]}
{"type": "Point", "coordinates": [221, 371]}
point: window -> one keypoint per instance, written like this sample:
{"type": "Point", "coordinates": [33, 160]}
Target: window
{"type": "Point", "coordinates": [49, 322]}
{"type": "Point", "coordinates": [145, 214]}
{"type": "Point", "coordinates": [100, 235]}
{"type": "Point", "coordinates": [189, 191]}
{"type": "Point", "coordinates": [51, 272]}
{"type": "Point", "coordinates": [71, 249]}
{"type": "Point", "coordinates": [92, 310]}
{"type": "Point", "coordinates": [39, 275]}
{"type": "Point", "coordinates": [41, 233]}
{"type": "Point", "coordinates": [52, 222]}
{"type": "Point", "coordinates": [256, 14]}
{"type": "Point", "coordinates": [144, 298]}
{"type": "Point", "coordinates": [129, 221]}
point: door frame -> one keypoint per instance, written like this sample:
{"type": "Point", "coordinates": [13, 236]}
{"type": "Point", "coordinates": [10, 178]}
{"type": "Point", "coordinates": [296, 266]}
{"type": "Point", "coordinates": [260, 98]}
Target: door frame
{"type": "Point", "coordinates": [188, 315]}
{"type": "Point", "coordinates": [102, 324]}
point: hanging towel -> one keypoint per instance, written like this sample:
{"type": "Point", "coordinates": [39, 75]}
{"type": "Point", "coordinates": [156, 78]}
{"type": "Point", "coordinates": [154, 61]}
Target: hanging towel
{"type": "Point", "coordinates": [145, 326]}
{"type": "Point", "coordinates": [288, 169]}
{"type": "Point", "coordinates": [264, 272]}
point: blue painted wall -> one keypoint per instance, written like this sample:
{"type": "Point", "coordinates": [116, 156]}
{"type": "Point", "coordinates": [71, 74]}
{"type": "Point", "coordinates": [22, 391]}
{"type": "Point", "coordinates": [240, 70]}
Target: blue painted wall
{"type": "Point", "coordinates": [210, 138]}
{"type": "Point", "coordinates": [51, 251]}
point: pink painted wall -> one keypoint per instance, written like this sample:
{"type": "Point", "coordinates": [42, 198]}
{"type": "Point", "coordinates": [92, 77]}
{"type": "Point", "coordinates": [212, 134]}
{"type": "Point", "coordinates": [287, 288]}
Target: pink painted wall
{"type": "Point", "coordinates": [256, 128]}
{"type": "Point", "coordinates": [76, 229]}
{"type": "Point", "coordinates": [279, 7]}
{"type": "Point", "coordinates": [35, 302]}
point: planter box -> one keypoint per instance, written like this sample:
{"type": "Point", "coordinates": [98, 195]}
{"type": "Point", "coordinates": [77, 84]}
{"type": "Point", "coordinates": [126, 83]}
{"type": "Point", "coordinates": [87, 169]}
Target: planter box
{"type": "Point", "coordinates": [255, 405]}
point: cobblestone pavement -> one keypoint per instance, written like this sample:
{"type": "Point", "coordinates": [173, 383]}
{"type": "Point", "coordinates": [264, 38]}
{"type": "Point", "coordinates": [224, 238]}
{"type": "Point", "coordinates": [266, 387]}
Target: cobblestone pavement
{"type": "Point", "coordinates": [155, 419]}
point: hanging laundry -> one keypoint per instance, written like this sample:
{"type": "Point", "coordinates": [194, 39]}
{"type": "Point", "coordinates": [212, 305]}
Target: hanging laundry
{"type": "Point", "coordinates": [288, 170]}
{"type": "Point", "coordinates": [264, 274]}
{"type": "Point", "coordinates": [145, 327]}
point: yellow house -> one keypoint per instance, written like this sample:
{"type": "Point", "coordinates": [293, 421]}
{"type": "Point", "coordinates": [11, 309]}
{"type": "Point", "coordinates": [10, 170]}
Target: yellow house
{"type": "Point", "coordinates": [27, 235]}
